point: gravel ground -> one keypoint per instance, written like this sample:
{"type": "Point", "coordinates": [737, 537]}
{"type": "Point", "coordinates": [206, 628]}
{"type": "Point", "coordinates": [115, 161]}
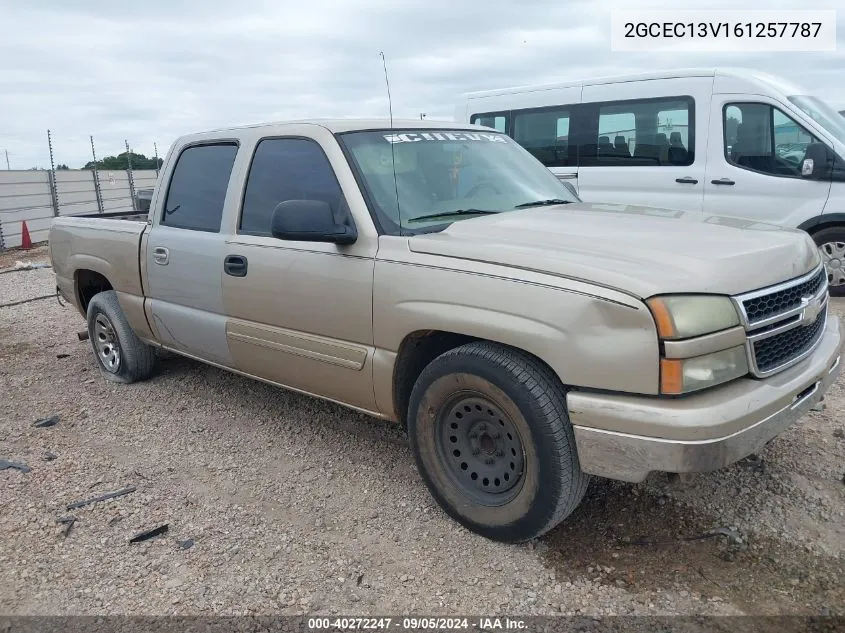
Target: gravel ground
{"type": "Point", "coordinates": [294, 505]}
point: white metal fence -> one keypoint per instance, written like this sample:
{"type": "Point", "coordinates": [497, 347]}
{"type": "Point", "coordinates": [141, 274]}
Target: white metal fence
{"type": "Point", "coordinates": [35, 197]}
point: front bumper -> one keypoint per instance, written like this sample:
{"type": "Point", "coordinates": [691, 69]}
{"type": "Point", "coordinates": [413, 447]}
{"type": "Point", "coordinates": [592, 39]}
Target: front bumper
{"type": "Point", "coordinates": [627, 437]}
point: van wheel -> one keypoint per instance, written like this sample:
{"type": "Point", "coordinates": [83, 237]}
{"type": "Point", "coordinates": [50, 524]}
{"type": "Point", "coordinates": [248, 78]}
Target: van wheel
{"type": "Point", "coordinates": [492, 440]}
{"type": "Point", "coordinates": [831, 243]}
{"type": "Point", "coordinates": [121, 355]}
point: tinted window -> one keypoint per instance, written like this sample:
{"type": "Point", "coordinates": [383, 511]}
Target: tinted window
{"type": "Point", "coordinates": [496, 120]}
{"type": "Point", "coordinates": [198, 187]}
{"type": "Point", "coordinates": [651, 132]}
{"type": "Point", "coordinates": [287, 169]}
{"type": "Point", "coordinates": [544, 133]}
{"type": "Point", "coordinates": [761, 138]}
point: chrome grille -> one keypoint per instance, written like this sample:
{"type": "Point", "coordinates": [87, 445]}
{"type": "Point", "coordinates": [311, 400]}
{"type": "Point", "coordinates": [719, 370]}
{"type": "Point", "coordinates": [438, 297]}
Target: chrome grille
{"type": "Point", "coordinates": [760, 308]}
{"type": "Point", "coordinates": [774, 351]}
{"type": "Point", "coordinates": [784, 323]}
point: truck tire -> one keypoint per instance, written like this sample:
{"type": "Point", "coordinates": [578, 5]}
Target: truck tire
{"type": "Point", "coordinates": [489, 431]}
{"type": "Point", "coordinates": [121, 355]}
{"type": "Point", "coordinates": [831, 243]}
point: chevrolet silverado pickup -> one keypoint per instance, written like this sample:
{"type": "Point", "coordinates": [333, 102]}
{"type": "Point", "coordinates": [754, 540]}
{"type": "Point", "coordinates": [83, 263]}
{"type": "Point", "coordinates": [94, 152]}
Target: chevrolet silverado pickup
{"type": "Point", "coordinates": [440, 277]}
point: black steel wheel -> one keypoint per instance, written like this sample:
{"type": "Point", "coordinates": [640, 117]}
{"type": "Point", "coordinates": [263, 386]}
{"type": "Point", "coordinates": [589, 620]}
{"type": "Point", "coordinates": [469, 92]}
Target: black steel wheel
{"type": "Point", "coordinates": [481, 448]}
{"type": "Point", "coordinates": [492, 440]}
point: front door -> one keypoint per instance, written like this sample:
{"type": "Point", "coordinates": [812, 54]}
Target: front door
{"type": "Point", "coordinates": [300, 314]}
{"type": "Point", "coordinates": [754, 164]}
{"type": "Point", "coordinates": [184, 255]}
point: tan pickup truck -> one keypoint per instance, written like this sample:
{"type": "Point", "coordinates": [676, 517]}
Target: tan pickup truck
{"type": "Point", "coordinates": [439, 276]}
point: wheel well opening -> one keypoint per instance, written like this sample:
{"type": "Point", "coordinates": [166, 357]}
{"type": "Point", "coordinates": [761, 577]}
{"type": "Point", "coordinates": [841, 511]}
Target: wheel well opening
{"type": "Point", "coordinates": [416, 351]}
{"type": "Point", "coordinates": [824, 225]}
{"type": "Point", "coordinates": [88, 284]}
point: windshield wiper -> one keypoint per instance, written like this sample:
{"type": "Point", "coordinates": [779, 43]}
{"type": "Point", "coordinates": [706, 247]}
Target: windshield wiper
{"type": "Point", "coordinates": [449, 214]}
{"type": "Point", "coordinates": [542, 203]}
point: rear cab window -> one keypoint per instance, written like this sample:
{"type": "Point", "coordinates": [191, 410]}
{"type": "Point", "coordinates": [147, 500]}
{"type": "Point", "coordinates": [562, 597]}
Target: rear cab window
{"type": "Point", "coordinates": [197, 191]}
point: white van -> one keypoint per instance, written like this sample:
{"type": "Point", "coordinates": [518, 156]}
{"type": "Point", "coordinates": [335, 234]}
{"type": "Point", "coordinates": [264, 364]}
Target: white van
{"type": "Point", "coordinates": [729, 142]}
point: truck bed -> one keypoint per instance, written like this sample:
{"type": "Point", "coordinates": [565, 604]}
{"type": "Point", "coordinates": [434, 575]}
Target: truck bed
{"type": "Point", "coordinates": [104, 244]}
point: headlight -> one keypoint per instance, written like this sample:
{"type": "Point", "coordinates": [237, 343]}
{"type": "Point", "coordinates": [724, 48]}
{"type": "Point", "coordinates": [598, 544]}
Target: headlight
{"type": "Point", "coordinates": [685, 316]}
{"type": "Point", "coordinates": [682, 375]}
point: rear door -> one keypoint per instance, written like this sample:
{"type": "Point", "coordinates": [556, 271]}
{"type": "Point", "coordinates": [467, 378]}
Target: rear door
{"type": "Point", "coordinates": [647, 142]}
{"type": "Point", "coordinates": [185, 250]}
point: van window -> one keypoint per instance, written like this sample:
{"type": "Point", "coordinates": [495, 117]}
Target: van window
{"type": "Point", "coordinates": [759, 137]}
{"type": "Point", "coordinates": [498, 121]}
{"type": "Point", "coordinates": [545, 133]}
{"type": "Point", "coordinates": [198, 186]}
{"type": "Point", "coordinates": [287, 169]}
{"type": "Point", "coordinates": [648, 132]}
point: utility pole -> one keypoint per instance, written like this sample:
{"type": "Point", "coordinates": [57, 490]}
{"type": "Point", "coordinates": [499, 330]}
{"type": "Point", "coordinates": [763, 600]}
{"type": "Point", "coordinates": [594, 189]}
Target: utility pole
{"type": "Point", "coordinates": [7, 159]}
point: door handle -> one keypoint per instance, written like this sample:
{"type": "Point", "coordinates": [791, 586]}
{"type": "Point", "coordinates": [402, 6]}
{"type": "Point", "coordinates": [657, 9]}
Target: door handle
{"type": "Point", "coordinates": [687, 180]}
{"type": "Point", "coordinates": [723, 181]}
{"type": "Point", "coordinates": [235, 265]}
{"type": "Point", "coordinates": [161, 255]}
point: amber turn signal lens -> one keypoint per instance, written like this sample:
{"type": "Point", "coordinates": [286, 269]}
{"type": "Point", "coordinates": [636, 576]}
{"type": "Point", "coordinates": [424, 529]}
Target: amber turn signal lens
{"type": "Point", "coordinates": [665, 324]}
{"type": "Point", "coordinates": [671, 376]}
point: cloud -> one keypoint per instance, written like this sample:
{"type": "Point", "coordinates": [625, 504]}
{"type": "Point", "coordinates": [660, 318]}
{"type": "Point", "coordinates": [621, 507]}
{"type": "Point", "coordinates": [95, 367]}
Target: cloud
{"type": "Point", "coordinates": [150, 71]}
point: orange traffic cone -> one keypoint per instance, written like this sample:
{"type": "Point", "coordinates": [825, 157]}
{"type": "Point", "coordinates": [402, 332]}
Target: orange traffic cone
{"type": "Point", "coordinates": [26, 242]}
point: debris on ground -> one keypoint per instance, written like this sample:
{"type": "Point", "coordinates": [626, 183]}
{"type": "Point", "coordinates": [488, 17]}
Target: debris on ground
{"type": "Point", "coordinates": [754, 462]}
{"type": "Point", "coordinates": [68, 523]}
{"type": "Point", "coordinates": [148, 534]}
{"type": "Point", "coordinates": [5, 463]}
{"type": "Point", "coordinates": [82, 335]}
{"type": "Point", "coordinates": [19, 265]}
{"type": "Point", "coordinates": [48, 456]}
{"type": "Point", "coordinates": [103, 497]}
{"type": "Point", "coordinates": [60, 356]}
{"type": "Point", "coordinates": [115, 520]}
{"type": "Point", "coordinates": [43, 423]}
{"type": "Point", "coordinates": [732, 534]}
{"type": "Point", "coordinates": [186, 544]}
{"type": "Point", "coordinates": [840, 432]}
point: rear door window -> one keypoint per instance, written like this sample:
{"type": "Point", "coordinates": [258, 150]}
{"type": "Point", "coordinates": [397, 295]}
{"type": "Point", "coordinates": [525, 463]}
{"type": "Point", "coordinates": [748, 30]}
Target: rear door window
{"type": "Point", "coordinates": [197, 191]}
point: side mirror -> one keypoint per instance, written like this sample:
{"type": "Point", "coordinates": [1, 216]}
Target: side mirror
{"type": "Point", "coordinates": [309, 221]}
{"type": "Point", "coordinates": [817, 163]}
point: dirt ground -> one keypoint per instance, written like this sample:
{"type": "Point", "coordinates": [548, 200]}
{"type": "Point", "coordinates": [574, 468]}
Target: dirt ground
{"type": "Point", "coordinates": [279, 503]}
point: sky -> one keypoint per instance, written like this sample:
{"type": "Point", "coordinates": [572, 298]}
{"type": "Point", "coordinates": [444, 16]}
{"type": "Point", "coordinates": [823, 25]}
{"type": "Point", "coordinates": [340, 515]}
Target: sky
{"type": "Point", "coordinates": [148, 71]}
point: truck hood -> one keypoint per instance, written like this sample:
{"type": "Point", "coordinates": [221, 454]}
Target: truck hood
{"type": "Point", "coordinates": [641, 251]}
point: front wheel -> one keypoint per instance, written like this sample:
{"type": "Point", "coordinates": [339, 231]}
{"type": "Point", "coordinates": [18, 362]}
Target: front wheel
{"type": "Point", "coordinates": [492, 440]}
{"type": "Point", "coordinates": [831, 243]}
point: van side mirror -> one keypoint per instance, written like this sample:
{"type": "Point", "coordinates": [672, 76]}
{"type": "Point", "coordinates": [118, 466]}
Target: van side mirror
{"type": "Point", "coordinates": [309, 221]}
{"type": "Point", "coordinates": [817, 163]}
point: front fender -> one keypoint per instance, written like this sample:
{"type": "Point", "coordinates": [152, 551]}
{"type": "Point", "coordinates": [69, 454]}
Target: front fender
{"type": "Point", "coordinates": [590, 341]}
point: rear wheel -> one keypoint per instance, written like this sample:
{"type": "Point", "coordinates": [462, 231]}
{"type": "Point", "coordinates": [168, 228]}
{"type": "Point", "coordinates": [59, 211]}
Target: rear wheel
{"type": "Point", "coordinates": [831, 243]}
{"type": "Point", "coordinates": [489, 431]}
{"type": "Point", "coordinates": [121, 355]}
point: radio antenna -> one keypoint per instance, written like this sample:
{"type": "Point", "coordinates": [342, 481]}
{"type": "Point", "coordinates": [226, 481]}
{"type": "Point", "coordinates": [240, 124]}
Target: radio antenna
{"type": "Point", "coordinates": [392, 141]}
{"type": "Point", "coordinates": [387, 83]}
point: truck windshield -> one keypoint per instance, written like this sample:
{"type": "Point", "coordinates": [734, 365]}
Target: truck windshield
{"type": "Point", "coordinates": [823, 114]}
{"type": "Point", "coordinates": [442, 176]}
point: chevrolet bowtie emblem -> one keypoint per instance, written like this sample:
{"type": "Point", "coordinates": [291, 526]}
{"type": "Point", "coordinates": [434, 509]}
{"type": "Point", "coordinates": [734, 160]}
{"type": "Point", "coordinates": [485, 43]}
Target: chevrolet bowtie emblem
{"type": "Point", "coordinates": [812, 307]}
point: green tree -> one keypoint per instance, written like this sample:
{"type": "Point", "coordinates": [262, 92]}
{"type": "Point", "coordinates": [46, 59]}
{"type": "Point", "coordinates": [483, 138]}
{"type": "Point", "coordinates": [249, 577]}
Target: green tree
{"type": "Point", "coordinates": [115, 163]}
{"type": "Point", "coordinates": [62, 166]}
